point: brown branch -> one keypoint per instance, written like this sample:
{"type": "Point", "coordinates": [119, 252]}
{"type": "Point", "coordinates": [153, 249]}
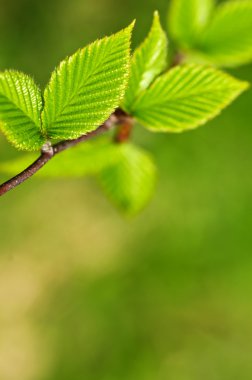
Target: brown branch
{"type": "Point", "coordinates": [177, 60]}
{"type": "Point", "coordinates": [125, 125]}
{"type": "Point", "coordinates": [49, 151]}
{"type": "Point", "coordinates": [123, 121]}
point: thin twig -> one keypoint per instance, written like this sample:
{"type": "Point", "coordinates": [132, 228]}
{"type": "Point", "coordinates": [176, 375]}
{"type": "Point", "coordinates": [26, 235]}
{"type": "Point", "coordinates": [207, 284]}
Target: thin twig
{"type": "Point", "coordinates": [123, 121]}
{"type": "Point", "coordinates": [48, 152]}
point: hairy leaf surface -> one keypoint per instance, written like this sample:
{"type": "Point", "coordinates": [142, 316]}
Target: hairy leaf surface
{"type": "Point", "coordinates": [130, 183]}
{"type": "Point", "coordinates": [86, 88]}
{"type": "Point", "coordinates": [227, 40]}
{"type": "Point", "coordinates": [20, 107]}
{"type": "Point", "coordinates": [148, 61]}
{"type": "Point", "coordinates": [186, 97]}
{"type": "Point", "coordinates": [187, 18]}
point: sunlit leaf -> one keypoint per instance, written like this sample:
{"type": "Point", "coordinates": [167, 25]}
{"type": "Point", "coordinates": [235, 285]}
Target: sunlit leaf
{"type": "Point", "coordinates": [86, 87]}
{"type": "Point", "coordinates": [130, 183]}
{"type": "Point", "coordinates": [20, 107]}
{"type": "Point", "coordinates": [186, 97]}
{"type": "Point", "coordinates": [148, 61]}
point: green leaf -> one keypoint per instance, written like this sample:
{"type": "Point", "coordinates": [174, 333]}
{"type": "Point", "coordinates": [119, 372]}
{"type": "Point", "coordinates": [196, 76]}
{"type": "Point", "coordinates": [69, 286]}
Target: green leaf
{"type": "Point", "coordinates": [227, 41]}
{"type": "Point", "coordinates": [130, 183]}
{"type": "Point", "coordinates": [20, 107]}
{"type": "Point", "coordinates": [87, 87]}
{"type": "Point", "coordinates": [186, 97]}
{"type": "Point", "coordinates": [125, 172]}
{"type": "Point", "coordinates": [84, 159]}
{"type": "Point", "coordinates": [148, 61]}
{"type": "Point", "coordinates": [187, 18]}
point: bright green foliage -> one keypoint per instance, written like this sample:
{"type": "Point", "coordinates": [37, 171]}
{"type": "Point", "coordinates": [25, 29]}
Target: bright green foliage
{"type": "Point", "coordinates": [20, 107]}
{"type": "Point", "coordinates": [87, 87]}
{"type": "Point", "coordinates": [227, 41]}
{"type": "Point", "coordinates": [221, 35]}
{"type": "Point", "coordinates": [84, 159]}
{"type": "Point", "coordinates": [148, 61]}
{"type": "Point", "coordinates": [186, 97]}
{"type": "Point", "coordinates": [129, 183]}
{"type": "Point", "coordinates": [187, 18]}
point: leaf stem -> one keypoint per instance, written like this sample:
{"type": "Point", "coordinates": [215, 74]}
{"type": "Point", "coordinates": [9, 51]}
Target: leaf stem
{"type": "Point", "coordinates": [125, 126]}
{"type": "Point", "coordinates": [178, 59]}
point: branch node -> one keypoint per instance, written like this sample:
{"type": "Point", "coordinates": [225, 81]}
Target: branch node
{"type": "Point", "coordinates": [47, 148]}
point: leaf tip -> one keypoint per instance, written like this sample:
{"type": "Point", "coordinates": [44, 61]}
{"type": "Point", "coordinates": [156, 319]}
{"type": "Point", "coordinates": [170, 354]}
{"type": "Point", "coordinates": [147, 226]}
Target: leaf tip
{"type": "Point", "coordinates": [157, 26]}
{"type": "Point", "coordinates": [131, 26]}
{"type": "Point", "coordinates": [241, 86]}
{"type": "Point", "coordinates": [245, 85]}
{"type": "Point", "coordinates": [156, 15]}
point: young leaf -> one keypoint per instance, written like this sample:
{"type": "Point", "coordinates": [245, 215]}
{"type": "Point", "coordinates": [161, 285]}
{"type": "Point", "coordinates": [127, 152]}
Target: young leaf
{"type": "Point", "coordinates": [148, 61]}
{"type": "Point", "coordinates": [187, 18]}
{"type": "Point", "coordinates": [227, 41]}
{"type": "Point", "coordinates": [130, 182]}
{"type": "Point", "coordinates": [86, 87]}
{"type": "Point", "coordinates": [20, 107]}
{"type": "Point", "coordinates": [186, 97]}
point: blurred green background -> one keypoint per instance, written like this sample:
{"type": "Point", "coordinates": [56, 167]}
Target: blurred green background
{"type": "Point", "coordinates": [86, 294]}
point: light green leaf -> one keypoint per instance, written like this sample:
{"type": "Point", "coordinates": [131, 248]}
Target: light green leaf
{"type": "Point", "coordinates": [186, 97]}
{"type": "Point", "coordinates": [130, 183]}
{"type": "Point", "coordinates": [20, 107]}
{"type": "Point", "coordinates": [84, 159]}
{"type": "Point", "coordinates": [227, 41]}
{"type": "Point", "coordinates": [148, 61]}
{"type": "Point", "coordinates": [187, 18]}
{"type": "Point", "coordinates": [87, 87]}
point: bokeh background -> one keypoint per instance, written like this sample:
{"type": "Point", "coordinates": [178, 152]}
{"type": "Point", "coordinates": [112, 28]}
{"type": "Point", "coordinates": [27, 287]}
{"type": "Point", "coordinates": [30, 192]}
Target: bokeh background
{"type": "Point", "coordinates": [86, 294]}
